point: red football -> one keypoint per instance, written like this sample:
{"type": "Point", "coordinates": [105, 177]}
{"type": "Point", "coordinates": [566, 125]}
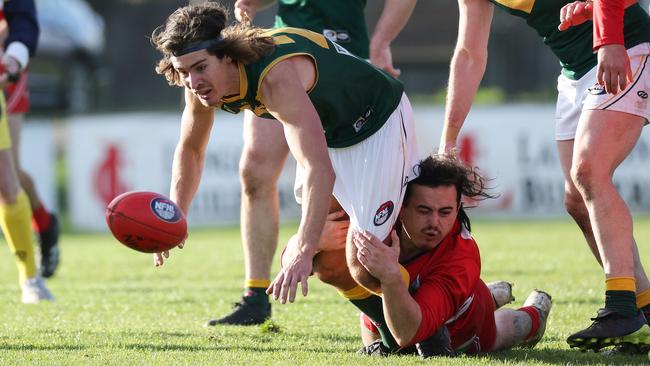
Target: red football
{"type": "Point", "coordinates": [146, 221]}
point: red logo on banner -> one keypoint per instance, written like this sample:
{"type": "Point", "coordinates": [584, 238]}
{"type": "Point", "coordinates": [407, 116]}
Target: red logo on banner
{"type": "Point", "coordinates": [468, 153]}
{"type": "Point", "coordinates": [468, 150]}
{"type": "Point", "coordinates": [108, 183]}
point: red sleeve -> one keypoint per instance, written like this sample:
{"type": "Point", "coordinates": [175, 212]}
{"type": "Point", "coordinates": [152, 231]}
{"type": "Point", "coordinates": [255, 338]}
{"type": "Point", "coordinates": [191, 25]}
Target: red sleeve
{"type": "Point", "coordinates": [445, 289]}
{"type": "Point", "coordinates": [608, 22]}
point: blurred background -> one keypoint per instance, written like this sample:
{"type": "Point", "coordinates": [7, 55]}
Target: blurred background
{"type": "Point", "coordinates": [104, 122]}
{"type": "Point", "coordinates": [95, 55]}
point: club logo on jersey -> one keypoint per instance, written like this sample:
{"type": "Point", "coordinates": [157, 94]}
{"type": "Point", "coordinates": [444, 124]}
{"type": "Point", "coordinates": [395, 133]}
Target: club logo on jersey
{"type": "Point", "coordinates": [340, 49]}
{"type": "Point", "coordinates": [597, 90]}
{"type": "Point", "coordinates": [383, 213]}
{"type": "Point", "coordinates": [165, 209]}
{"type": "Point", "coordinates": [643, 94]}
{"type": "Point", "coordinates": [337, 36]}
{"type": "Point", "coordinates": [361, 121]}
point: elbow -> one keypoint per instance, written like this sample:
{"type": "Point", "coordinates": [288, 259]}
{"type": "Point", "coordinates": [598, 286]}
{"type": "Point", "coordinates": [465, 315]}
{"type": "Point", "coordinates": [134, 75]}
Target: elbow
{"type": "Point", "coordinates": [329, 175]}
{"type": "Point", "coordinates": [322, 173]}
{"type": "Point", "coordinates": [185, 151]}
{"type": "Point", "coordinates": [474, 59]}
{"type": "Point", "coordinates": [403, 341]}
{"type": "Point", "coordinates": [405, 337]}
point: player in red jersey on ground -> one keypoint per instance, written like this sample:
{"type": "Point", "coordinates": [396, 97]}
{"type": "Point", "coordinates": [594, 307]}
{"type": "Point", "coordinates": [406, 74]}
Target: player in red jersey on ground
{"type": "Point", "coordinates": [440, 304]}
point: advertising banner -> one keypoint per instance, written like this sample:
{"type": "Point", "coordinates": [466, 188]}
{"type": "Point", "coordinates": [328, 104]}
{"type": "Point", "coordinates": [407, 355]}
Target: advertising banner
{"type": "Point", "coordinates": [512, 145]}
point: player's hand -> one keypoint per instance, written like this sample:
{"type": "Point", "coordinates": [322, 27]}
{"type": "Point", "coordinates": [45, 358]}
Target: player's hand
{"type": "Point", "coordinates": [158, 257]}
{"type": "Point", "coordinates": [448, 148]}
{"type": "Point", "coordinates": [9, 65]}
{"type": "Point", "coordinates": [245, 10]}
{"type": "Point", "coordinates": [575, 13]}
{"type": "Point", "coordinates": [297, 270]}
{"type": "Point", "coordinates": [335, 231]}
{"type": "Point", "coordinates": [381, 260]}
{"type": "Point", "coordinates": [382, 57]}
{"type": "Point", "coordinates": [614, 71]}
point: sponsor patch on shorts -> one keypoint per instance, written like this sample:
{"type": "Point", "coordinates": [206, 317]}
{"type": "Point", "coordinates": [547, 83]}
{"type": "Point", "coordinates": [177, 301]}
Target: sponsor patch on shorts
{"type": "Point", "coordinates": [597, 90]}
{"type": "Point", "coordinates": [383, 213]}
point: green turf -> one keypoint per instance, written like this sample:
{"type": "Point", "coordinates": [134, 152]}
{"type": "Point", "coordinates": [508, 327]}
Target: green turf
{"type": "Point", "coordinates": [114, 308]}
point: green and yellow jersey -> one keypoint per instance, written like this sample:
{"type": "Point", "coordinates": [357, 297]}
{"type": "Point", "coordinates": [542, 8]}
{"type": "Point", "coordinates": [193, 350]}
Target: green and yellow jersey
{"type": "Point", "coordinates": [353, 98]}
{"type": "Point", "coordinates": [341, 21]}
{"type": "Point", "coordinates": [573, 47]}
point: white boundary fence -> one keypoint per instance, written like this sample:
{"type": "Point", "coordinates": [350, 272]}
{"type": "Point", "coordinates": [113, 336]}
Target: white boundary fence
{"type": "Point", "coordinates": [109, 154]}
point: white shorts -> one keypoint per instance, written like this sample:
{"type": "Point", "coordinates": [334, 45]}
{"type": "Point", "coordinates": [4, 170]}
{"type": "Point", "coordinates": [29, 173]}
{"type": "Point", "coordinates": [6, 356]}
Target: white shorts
{"type": "Point", "coordinates": [574, 96]}
{"type": "Point", "coordinates": [371, 176]}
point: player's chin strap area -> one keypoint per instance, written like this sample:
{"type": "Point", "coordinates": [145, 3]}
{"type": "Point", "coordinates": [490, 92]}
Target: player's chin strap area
{"type": "Point", "coordinates": [463, 308]}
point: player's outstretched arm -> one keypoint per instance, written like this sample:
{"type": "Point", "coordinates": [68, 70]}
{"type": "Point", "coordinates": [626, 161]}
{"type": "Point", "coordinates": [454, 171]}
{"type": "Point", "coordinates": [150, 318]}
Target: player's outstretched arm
{"type": "Point", "coordinates": [467, 67]}
{"type": "Point", "coordinates": [283, 92]}
{"type": "Point", "coordinates": [393, 18]}
{"type": "Point", "coordinates": [187, 166]}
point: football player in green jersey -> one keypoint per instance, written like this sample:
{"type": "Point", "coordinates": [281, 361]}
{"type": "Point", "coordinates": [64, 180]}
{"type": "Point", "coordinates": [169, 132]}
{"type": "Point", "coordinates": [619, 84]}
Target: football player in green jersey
{"type": "Point", "coordinates": [595, 131]}
{"type": "Point", "coordinates": [347, 123]}
{"type": "Point", "coordinates": [341, 21]}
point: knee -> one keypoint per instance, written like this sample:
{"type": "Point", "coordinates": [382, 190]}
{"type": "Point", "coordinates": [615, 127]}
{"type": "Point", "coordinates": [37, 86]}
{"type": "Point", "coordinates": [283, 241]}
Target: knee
{"type": "Point", "coordinates": [583, 176]}
{"type": "Point", "coordinates": [330, 268]}
{"type": "Point", "coordinates": [364, 278]}
{"type": "Point", "coordinates": [8, 194]}
{"type": "Point", "coordinates": [257, 174]}
{"type": "Point", "coordinates": [574, 205]}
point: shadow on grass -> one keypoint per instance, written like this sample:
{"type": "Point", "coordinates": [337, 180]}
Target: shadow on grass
{"type": "Point", "coordinates": [579, 301]}
{"type": "Point", "coordinates": [101, 334]}
{"type": "Point", "coordinates": [564, 357]}
{"type": "Point", "coordinates": [230, 348]}
{"type": "Point", "coordinates": [166, 347]}
{"type": "Point", "coordinates": [41, 347]}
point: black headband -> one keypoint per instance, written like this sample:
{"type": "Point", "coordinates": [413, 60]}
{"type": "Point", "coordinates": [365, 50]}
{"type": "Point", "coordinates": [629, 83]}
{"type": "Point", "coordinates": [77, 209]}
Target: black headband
{"type": "Point", "coordinates": [198, 46]}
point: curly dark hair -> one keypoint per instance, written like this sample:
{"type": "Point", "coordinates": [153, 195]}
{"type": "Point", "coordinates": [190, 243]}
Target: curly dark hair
{"type": "Point", "coordinates": [202, 22]}
{"type": "Point", "coordinates": [448, 170]}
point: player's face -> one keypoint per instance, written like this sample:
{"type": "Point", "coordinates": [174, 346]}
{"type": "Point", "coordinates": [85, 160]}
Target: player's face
{"type": "Point", "coordinates": [429, 215]}
{"type": "Point", "coordinates": [208, 77]}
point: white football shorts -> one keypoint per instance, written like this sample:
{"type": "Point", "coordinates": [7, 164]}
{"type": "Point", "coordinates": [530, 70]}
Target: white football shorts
{"type": "Point", "coordinates": [574, 96]}
{"type": "Point", "coordinates": [371, 176]}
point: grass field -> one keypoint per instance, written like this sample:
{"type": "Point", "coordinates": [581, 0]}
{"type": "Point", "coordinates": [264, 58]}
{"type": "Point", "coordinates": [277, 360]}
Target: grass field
{"type": "Point", "coordinates": [114, 308]}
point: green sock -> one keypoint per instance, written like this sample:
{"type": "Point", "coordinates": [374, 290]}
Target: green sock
{"type": "Point", "coordinates": [373, 308]}
{"type": "Point", "coordinates": [256, 295]}
{"type": "Point", "coordinates": [646, 311]}
{"type": "Point", "coordinates": [623, 302]}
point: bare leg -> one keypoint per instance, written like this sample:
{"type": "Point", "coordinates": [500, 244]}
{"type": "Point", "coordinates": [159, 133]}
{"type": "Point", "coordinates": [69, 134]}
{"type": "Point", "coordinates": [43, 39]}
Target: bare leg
{"type": "Point", "coordinates": [263, 157]}
{"type": "Point", "coordinates": [265, 151]}
{"type": "Point", "coordinates": [603, 140]}
{"type": "Point", "coordinates": [573, 201]}
{"type": "Point", "coordinates": [512, 328]}
{"type": "Point", "coordinates": [576, 207]}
